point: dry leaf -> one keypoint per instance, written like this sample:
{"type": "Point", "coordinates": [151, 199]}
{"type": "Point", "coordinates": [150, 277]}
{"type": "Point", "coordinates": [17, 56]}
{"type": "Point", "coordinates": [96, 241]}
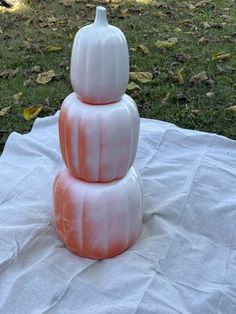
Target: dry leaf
{"type": "Point", "coordinates": [177, 76]}
{"type": "Point", "coordinates": [67, 3]}
{"type": "Point", "coordinates": [199, 78]}
{"type": "Point", "coordinates": [90, 6]}
{"type": "Point", "coordinates": [132, 86]}
{"type": "Point", "coordinates": [32, 112]}
{"type": "Point", "coordinates": [166, 43]}
{"type": "Point", "coordinates": [177, 30]}
{"type": "Point", "coordinates": [45, 77]}
{"type": "Point", "coordinates": [159, 14]}
{"type": "Point", "coordinates": [210, 94]}
{"type": "Point", "coordinates": [206, 25]}
{"type": "Point", "coordinates": [167, 97]}
{"type": "Point", "coordinates": [52, 48]}
{"type": "Point", "coordinates": [221, 56]}
{"type": "Point", "coordinates": [4, 111]}
{"type": "Point", "coordinates": [203, 40]}
{"type": "Point", "coordinates": [201, 3]}
{"type": "Point", "coordinates": [35, 69]}
{"type": "Point", "coordinates": [9, 73]}
{"type": "Point", "coordinates": [124, 13]}
{"type": "Point", "coordinates": [142, 77]}
{"type": "Point", "coordinates": [231, 108]}
{"type": "Point", "coordinates": [17, 96]}
{"type": "Point", "coordinates": [182, 57]}
{"type": "Point", "coordinates": [144, 49]}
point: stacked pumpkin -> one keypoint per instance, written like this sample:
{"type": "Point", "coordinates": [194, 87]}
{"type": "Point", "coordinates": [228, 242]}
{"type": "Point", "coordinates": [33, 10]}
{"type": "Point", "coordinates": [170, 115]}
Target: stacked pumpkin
{"type": "Point", "coordinates": [98, 200]}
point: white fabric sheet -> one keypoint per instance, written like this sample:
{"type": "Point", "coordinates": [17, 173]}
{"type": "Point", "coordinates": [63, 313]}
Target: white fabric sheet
{"type": "Point", "coordinates": [183, 262]}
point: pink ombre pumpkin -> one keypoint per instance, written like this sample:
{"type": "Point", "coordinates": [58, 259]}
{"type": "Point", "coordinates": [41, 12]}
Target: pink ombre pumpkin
{"type": "Point", "coordinates": [98, 143]}
{"type": "Point", "coordinates": [98, 220]}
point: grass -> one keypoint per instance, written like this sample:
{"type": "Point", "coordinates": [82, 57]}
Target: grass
{"type": "Point", "coordinates": [202, 31]}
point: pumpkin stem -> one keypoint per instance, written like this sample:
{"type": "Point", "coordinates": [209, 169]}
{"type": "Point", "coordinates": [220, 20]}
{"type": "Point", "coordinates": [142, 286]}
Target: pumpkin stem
{"type": "Point", "coordinates": [101, 16]}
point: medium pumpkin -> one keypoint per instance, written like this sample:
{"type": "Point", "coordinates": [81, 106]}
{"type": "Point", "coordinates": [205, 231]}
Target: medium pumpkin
{"type": "Point", "coordinates": [98, 143]}
{"type": "Point", "coordinates": [99, 62]}
{"type": "Point", "coordinates": [98, 220]}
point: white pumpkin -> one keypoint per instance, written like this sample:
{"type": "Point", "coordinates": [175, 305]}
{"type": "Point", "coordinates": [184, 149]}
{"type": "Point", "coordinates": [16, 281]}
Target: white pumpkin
{"type": "Point", "coordinates": [98, 220]}
{"type": "Point", "coordinates": [100, 62]}
{"type": "Point", "coordinates": [98, 143]}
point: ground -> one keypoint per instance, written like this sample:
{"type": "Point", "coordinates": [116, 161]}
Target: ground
{"type": "Point", "coordinates": [187, 48]}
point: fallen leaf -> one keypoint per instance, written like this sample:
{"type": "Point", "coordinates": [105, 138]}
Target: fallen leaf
{"type": "Point", "coordinates": [182, 57]}
{"type": "Point", "coordinates": [177, 76]}
{"type": "Point", "coordinates": [67, 3]}
{"type": "Point", "coordinates": [132, 49]}
{"type": "Point", "coordinates": [142, 77]}
{"type": "Point", "coordinates": [144, 49]}
{"type": "Point", "coordinates": [194, 111]}
{"type": "Point", "coordinates": [167, 97]}
{"type": "Point", "coordinates": [203, 40]}
{"type": "Point", "coordinates": [206, 25]}
{"type": "Point", "coordinates": [32, 112]}
{"type": "Point", "coordinates": [124, 14]}
{"type": "Point", "coordinates": [4, 111]}
{"type": "Point", "coordinates": [177, 30]}
{"type": "Point", "coordinates": [155, 70]}
{"type": "Point", "coordinates": [231, 108]}
{"type": "Point", "coordinates": [9, 73]}
{"type": "Point", "coordinates": [166, 43]}
{"type": "Point", "coordinates": [132, 86]}
{"type": "Point", "coordinates": [159, 14]}
{"type": "Point", "coordinates": [35, 69]}
{"type": "Point", "coordinates": [201, 3]}
{"type": "Point", "coordinates": [45, 77]}
{"type": "Point", "coordinates": [52, 48]}
{"type": "Point", "coordinates": [90, 6]}
{"type": "Point", "coordinates": [221, 56]}
{"type": "Point", "coordinates": [17, 96]}
{"type": "Point", "coordinates": [199, 78]}
{"type": "Point", "coordinates": [210, 94]}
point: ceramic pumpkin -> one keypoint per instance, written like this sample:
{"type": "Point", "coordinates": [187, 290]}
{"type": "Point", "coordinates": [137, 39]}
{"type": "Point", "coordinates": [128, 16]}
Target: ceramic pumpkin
{"type": "Point", "coordinates": [98, 220]}
{"type": "Point", "coordinates": [98, 143]}
{"type": "Point", "coordinates": [99, 62]}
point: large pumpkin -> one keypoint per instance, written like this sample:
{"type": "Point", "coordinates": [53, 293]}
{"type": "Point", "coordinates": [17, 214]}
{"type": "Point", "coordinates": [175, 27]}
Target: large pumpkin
{"type": "Point", "coordinates": [98, 220]}
{"type": "Point", "coordinates": [100, 62]}
{"type": "Point", "coordinates": [98, 143]}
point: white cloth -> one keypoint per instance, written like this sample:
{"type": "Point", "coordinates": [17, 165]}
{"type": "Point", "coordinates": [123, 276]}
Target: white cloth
{"type": "Point", "coordinates": [183, 262]}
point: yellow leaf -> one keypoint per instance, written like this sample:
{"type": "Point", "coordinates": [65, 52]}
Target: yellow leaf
{"type": "Point", "coordinates": [144, 49]}
{"type": "Point", "coordinates": [45, 77]}
{"type": "Point", "coordinates": [4, 111]}
{"type": "Point", "coordinates": [221, 56]}
{"type": "Point", "coordinates": [142, 77]}
{"type": "Point", "coordinates": [232, 108]}
{"type": "Point", "coordinates": [31, 112]}
{"type": "Point", "coordinates": [52, 48]}
{"type": "Point", "coordinates": [132, 86]}
{"type": "Point", "coordinates": [17, 96]}
{"type": "Point", "coordinates": [167, 43]}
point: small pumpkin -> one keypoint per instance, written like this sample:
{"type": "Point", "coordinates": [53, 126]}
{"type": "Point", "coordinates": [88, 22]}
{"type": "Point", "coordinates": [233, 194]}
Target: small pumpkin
{"type": "Point", "coordinates": [98, 220]}
{"type": "Point", "coordinates": [99, 62]}
{"type": "Point", "coordinates": [98, 143]}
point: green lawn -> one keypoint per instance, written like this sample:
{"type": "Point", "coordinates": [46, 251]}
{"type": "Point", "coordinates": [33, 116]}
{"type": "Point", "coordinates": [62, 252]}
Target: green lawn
{"type": "Point", "coordinates": [201, 30]}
